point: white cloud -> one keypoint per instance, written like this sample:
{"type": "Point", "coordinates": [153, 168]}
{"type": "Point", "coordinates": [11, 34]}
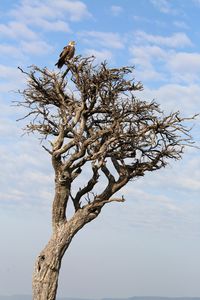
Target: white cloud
{"type": "Point", "coordinates": [105, 39]}
{"type": "Point", "coordinates": [144, 58]}
{"type": "Point", "coordinates": [77, 10]}
{"type": "Point", "coordinates": [17, 30]}
{"type": "Point", "coordinates": [163, 6]}
{"type": "Point", "coordinates": [140, 19]}
{"type": "Point", "coordinates": [36, 47]}
{"type": "Point", "coordinates": [154, 61]}
{"type": "Point", "coordinates": [7, 127]}
{"type": "Point", "coordinates": [99, 55]}
{"type": "Point", "coordinates": [27, 11]}
{"type": "Point", "coordinates": [160, 198]}
{"type": "Point", "coordinates": [11, 79]}
{"type": "Point", "coordinates": [154, 22]}
{"type": "Point", "coordinates": [14, 196]}
{"type": "Point", "coordinates": [52, 25]}
{"type": "Point", "coordinates": [11, 51]}
{"type": "Point", "coordinates": [177, 40]}
{"type": "Point", "coordinates": [189, 181]}
{"type": "Point", "coordinates": [116, 10]}
{"type": "Point", "coordinates": [181, 24]}
{"type": "Point", "coordinates": [143, 55]}
{"type": "Point", "coordinates": [7, 72]}
{"type": "Point", "coordinates": [152, 209]}
{"type": "Point", "coordinates": [175, 97]}
{"type": "Point", "coordinates": [31, 12]}
{"type": "Point", "coordinates": [185, 66]}
{"type": "Point", "coordinates": [48, 15]}
{"type": "Point", "coordinates": [149, 74]}
{"type": "Point", "coordinates": [32, 165]}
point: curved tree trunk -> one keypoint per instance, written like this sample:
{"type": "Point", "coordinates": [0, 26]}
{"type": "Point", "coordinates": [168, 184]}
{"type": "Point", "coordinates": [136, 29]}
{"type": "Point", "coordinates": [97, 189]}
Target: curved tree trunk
{"type": "Point", "coordinates": [47, 266]}
{"type": "Point", "coordinates": [45, 278]}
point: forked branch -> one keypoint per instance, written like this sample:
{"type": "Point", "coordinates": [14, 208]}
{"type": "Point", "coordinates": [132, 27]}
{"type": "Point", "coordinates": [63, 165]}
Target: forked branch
{"type": "Point", "coordinates": [102, 125]}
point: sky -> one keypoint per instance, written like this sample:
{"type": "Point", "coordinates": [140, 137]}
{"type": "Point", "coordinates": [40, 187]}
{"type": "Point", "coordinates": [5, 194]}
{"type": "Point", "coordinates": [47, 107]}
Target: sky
{"type": "Point", "coordinates": [150, 244]}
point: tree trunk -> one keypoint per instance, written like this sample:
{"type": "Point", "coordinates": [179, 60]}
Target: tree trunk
{"type": "Point", "coordinates": [47, 266]}
{"type": "Point", "coordinates": [45, 280]}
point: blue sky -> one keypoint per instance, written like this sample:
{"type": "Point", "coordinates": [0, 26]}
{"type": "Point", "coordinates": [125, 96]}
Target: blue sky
{"type": "Point", "coordinates": [150, 244]}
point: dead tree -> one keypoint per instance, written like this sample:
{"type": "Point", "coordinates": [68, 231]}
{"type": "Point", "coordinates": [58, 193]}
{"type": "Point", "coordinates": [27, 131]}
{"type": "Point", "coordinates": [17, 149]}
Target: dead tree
{"type": "Point", "coordinates": [93, 121]}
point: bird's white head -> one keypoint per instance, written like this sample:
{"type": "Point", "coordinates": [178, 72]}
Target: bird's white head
{"type": "Point", "coordinates": [72, 43]}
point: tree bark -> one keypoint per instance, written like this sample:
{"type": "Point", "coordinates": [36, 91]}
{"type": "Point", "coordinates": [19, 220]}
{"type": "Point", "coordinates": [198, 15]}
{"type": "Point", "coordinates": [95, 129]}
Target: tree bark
{"type": "Point", "coordinates": [47, 266]}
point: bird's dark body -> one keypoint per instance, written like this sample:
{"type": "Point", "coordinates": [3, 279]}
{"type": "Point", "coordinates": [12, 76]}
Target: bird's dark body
{"type": "Point", "coordinates": [65, 55]}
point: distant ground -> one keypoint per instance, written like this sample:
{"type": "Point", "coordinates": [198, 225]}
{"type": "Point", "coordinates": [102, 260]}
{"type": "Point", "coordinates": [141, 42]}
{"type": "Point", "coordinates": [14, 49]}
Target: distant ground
{"type": "Point", "coordinates": [28, 297]}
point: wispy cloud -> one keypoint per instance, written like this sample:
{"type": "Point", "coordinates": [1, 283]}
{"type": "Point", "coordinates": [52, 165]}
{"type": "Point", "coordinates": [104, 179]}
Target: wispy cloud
{"type": "Point", "coordinates": [52, 25]}
{"type": "Point", "coordinates": [36, 47]}
{"type": "Point", "coordinates": [160, 199]}
{"type": "Point", "coordinates": [31, 12]}
{"type": "Point", "coordinates": [154, 210]}
{"type": "Point", "coordinates": [176, 40]}
{"type": "Point", "coordinates": [160, 58]}
{"type": "Point", "coordinates": [116, 10]}
{"type": "Point", "coordinates": [30, 166]}
{"type": "Point", "coordinates": [47, 15]}
{"type": "Point", "coordinates": [172, 66]}
{"type": "Point", "coordinates": [144, 57]}
{"type": "Point", "coordinates": [77, 10]}
{"type": "Point", "coordinates": [185, 66]}
{"type": "Point", "coordinates": [100, 55]}
{"type": "Point", "coordinates": [163, 6]}
{"type": "Point", "coordinates": [11, 51]}
{"type": "Point", "coordinates": [30, 20]}
{"type": "Point", "coordinates": [7, 72]}
{"type": "Point", "coordinates": [181, 24]}
{"type": "Point", "coordinates": [174, 96]}
{"type": "Point", "coordinates": [105, 39]}
{"type": "Point", "coordinates": [17, 30]}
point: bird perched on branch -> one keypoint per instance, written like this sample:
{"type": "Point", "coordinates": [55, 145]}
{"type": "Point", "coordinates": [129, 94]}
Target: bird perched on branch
{"type": "Point", "coordinates": [66, 54]}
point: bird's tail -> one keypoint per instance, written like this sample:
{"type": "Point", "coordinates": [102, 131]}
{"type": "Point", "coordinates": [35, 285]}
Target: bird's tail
{"type": "Point", "coordinates": [58, 64]}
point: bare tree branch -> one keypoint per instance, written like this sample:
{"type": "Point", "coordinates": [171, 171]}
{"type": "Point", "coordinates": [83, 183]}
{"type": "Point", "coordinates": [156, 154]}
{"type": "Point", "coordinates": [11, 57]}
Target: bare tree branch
{"type": "Point", "coordinates": [86, 189]}
{"type": "Point", "coordinates": [101, 120]}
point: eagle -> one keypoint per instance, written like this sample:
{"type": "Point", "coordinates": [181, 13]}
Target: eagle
{"type": "Point", "coordinates": [66, 54]}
